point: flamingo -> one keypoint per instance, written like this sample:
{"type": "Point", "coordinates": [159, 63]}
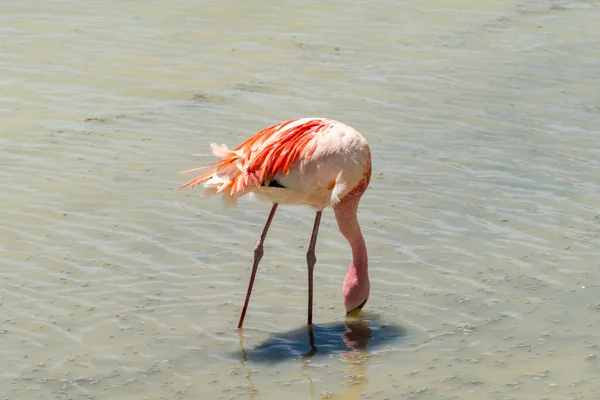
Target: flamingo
{"type": "Point", "coordinates": [318, 162]}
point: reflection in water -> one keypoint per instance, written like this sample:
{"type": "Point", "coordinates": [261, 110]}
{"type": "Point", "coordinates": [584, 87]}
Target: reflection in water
{"type": "Point", "coordinates": [311, 385]}
{"type": "Point", "coordinates": [253, 389]}
{"type": "Point", "coordinates": [350, 339]}
{"type": "Point", "coordinates": [357, 334]}
{"type": "Point", "coordinates": [324, 339]}
{"type": "Point", "coordinates": [356, 337]}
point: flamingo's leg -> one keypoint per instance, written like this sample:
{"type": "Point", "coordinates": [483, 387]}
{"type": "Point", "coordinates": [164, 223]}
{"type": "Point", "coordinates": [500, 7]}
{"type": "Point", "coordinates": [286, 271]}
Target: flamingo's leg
{"type": "Point", "coordinates": [311, 259]}
{"type": "Point", "coordinates": [258, 253]}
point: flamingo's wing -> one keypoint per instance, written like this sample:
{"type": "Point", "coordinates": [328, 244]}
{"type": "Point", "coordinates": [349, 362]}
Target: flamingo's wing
{"type": "Point", "coordinates": [260, 158]}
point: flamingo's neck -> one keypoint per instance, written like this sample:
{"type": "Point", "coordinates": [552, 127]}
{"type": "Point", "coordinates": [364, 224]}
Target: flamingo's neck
{"type": "Point", "coordinates": [356, 283]}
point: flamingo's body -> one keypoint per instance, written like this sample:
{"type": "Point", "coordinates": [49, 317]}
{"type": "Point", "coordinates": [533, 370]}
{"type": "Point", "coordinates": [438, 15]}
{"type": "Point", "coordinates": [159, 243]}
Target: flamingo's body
{"type": "Point", "coordinates": [317, 162]}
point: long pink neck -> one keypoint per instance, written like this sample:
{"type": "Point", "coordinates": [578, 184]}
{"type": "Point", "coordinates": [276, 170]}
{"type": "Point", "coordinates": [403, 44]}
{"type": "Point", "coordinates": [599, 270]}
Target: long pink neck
{"type": "Point", "coordinates": [356, 284]}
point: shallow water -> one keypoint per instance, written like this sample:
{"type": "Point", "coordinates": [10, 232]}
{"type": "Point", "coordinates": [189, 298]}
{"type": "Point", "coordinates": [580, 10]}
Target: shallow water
{"type": "Point", "coordinates": [482, 219]}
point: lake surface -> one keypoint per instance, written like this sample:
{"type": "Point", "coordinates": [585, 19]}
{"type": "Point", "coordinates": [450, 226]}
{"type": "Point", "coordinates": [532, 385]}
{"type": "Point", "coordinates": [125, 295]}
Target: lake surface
{"type": "Point", "coordinates": [482, 219]}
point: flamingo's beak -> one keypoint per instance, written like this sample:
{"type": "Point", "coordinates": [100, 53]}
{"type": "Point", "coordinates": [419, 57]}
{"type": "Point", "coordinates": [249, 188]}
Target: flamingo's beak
{"type": "Point", "coordinates": [354, 313]}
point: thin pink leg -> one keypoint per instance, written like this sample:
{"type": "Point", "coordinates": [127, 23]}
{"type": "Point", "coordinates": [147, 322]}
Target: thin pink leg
{"type": "Point", "coordinates": [311, 259]}
{"type": "Point", "coordinates": [258, 253]}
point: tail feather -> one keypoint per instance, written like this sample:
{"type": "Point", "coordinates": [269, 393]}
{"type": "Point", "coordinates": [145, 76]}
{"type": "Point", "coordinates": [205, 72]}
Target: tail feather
{"type": "Point", "coordinates": [220, 150]}
{"type": "Point", "coordinates": [223, 176]}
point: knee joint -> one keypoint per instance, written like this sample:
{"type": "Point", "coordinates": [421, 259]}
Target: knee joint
{"type": "Point", "coordinates": [311, 258]}
{"type": "Point", "coordinates": [258, 252]}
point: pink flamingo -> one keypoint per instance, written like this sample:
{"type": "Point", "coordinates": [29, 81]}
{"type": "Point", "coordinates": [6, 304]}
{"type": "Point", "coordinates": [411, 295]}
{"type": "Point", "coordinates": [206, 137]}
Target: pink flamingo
{"type": "Point", "coordinates": [317, 162]}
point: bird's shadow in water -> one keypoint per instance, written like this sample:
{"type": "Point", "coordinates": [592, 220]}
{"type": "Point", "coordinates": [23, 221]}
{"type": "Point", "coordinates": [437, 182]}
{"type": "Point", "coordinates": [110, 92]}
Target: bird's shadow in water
{"type": "Point", "coordinates": [353, 334]}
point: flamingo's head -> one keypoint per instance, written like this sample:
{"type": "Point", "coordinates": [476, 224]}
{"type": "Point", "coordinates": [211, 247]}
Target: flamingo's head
{"type": "Point", "coordinates": [356, 292]}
